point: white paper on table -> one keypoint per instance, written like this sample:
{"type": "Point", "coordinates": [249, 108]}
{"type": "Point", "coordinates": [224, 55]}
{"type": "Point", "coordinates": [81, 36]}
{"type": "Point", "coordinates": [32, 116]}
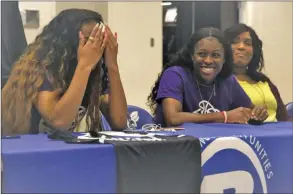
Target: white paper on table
{"type": "Point", "coordinates": [115, 133]}
{"type": "Point", "coordinates": [87, 136]}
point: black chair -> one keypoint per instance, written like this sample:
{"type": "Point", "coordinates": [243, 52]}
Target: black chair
{"type": "Point", "coordinates": [289, 108]}
{"type": "Point", "coordinates": [13, 41]}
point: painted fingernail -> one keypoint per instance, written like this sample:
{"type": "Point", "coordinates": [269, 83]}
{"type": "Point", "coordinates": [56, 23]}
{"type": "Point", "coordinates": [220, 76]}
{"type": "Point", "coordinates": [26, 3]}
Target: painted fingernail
{"type": "Point", "coordinates": [80, 34]}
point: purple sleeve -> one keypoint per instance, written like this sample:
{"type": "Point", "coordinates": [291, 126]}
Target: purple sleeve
{"type": "Point", "coordinates": [171, 86]}
{"type": "Point", "coordinates": [239, 97]}
{"type": "Point", "coordinates": [46, 86]}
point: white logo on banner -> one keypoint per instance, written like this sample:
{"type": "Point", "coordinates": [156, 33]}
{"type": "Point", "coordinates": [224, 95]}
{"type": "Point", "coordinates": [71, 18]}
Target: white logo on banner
{"type": "Point", "coordinates": [227, 180]}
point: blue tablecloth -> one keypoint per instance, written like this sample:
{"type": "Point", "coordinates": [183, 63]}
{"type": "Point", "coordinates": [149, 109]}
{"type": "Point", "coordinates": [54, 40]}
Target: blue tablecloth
{"type": "Point", "coordinates": [36, 164]}
{"type": "Point", "coordinates": [260, 158]}
{"type": "Point", "coordinates": [253, 159]}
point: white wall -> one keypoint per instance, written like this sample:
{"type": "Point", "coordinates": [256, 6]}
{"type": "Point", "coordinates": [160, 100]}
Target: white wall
{"type": "Point", "coordinates": [47, 11]}
{"type": "Point", "coordinates": [101, 7]}
{"type": "Point", "coordinates": [273, 23]}
{"type": "Point", "coordinates": [136, 23]}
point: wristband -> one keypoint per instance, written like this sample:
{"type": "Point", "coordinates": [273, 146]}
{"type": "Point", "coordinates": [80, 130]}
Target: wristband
{"type": "Point", "coordinates": [224, 113]}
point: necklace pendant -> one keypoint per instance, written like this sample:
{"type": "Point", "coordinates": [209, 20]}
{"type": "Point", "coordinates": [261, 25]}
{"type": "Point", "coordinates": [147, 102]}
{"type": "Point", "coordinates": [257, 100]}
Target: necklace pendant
{"type": "Point", "coordinates": [214, 91]}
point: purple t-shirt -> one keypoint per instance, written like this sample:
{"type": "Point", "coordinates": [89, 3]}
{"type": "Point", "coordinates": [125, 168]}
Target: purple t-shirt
{"type": "Point", "coordinates": [179, 83]}
{"type": "Point", "coordinates": [36, 116]}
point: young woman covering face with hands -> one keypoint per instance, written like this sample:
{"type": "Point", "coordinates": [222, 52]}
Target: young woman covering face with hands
{"type": "Point", "coordinates": [69, 71]}
{"type": "Point", "coordinates": [198, 86]}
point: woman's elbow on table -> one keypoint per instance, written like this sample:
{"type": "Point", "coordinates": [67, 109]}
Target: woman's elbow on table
{"type": "Point", "coordinates": [60, 123]}
{"type": "Point", "coordinates": [120, 124]}
{"type": "Point", "coordinates": [172, 120]}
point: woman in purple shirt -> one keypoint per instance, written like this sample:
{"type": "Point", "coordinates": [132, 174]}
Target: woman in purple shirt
{"type": "Point", "coordinates": [62, 77]}
{"type": "Point", "coordinates": [198, 86]}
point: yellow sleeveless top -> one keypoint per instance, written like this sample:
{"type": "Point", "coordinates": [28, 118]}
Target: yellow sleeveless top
{"type": "Point", "coordinates": [260, 94]}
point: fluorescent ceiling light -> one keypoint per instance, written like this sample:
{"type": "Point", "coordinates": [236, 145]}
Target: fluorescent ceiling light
{"type": "Point", "coordinates": [166, 3]}
{"type": "Point", "coordinates": [171, 15]}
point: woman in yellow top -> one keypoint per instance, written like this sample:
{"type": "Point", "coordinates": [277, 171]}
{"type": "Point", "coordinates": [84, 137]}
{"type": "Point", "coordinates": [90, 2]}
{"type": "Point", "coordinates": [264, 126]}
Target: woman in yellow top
{"type": "Point", "coordinates": [248, 65]}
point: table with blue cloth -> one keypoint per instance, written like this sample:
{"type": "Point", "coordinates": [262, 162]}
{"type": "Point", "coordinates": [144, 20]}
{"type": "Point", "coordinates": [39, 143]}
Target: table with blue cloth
{"type": "Point", "coordinates": [235, 159]}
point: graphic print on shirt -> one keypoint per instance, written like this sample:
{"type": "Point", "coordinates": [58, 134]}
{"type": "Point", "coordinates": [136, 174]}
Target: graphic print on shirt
{"type": "Point", "coordinates": [205, 107]}
{"type": "Point", "coordinates": [81, 113]}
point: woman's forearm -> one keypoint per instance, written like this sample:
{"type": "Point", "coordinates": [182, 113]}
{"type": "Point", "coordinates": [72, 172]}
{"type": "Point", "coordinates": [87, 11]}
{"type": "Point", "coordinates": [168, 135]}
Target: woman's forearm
{"type": "Point", "coordinates": [117, 111]}
{"type": "Point", "coordinates": [180, 118]}
{"type": "Point", "coordinates": [66, 109]}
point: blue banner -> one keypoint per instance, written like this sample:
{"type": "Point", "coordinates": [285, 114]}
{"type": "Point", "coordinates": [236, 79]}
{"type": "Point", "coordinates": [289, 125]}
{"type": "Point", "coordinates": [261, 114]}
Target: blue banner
{"type": "Point", "coordinates": [251, 162]}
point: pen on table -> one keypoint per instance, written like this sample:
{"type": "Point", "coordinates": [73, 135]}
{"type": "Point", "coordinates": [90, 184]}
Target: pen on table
{"type": "Point", "coordinates": [10, 137]}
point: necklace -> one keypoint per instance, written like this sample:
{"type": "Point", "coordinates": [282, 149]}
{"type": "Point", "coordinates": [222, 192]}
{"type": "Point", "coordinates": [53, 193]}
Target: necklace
{"type": "Point", "coordinates": [213, 92]}
{"type": "Point", "coordinates": [207, 86]}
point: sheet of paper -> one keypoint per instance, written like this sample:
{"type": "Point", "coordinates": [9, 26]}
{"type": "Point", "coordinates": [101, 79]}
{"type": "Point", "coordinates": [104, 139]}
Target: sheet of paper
{"type": "Point", "coordinates": [86, 136]}
{"type": "Point", "coordinates": [115, 134]}
{"type": "Point", "coordinates": [122, 134]}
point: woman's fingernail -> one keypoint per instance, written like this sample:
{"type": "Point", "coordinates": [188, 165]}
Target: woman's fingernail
{"type": "Point", "coordinates": [101, 26]}
{"type": "Point", "coordinates": [80, 34]}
